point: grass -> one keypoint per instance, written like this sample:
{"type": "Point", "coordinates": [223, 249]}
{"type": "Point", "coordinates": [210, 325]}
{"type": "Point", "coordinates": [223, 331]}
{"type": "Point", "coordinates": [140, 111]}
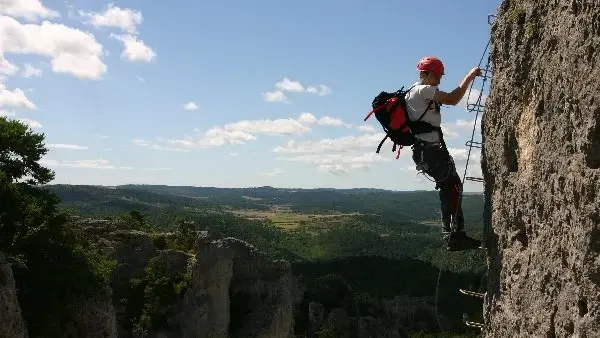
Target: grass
{"type": "Point", "coordinates": [288, 220]}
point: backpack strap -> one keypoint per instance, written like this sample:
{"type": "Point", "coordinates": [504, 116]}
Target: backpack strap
{"type": "Point", "coordinates": [382, 141]}
{"type": "Point", "coordinates": [426, 109]}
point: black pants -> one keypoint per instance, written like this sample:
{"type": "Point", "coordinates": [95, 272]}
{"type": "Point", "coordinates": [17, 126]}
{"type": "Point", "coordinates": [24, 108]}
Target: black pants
{"type": "Point", "coordinates": [435, 160]}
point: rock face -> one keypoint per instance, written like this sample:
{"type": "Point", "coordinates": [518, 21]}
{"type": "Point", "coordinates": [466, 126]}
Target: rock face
{"type": "Point", "coordinates": [231, 289]}
{"type": "Point", "coordinates": [541, 163]}
{"type": "Point", "coordinates": [236, 292]}
{"type": "Point", "coordinates": [93, 317]}
{"type": "Point", "coordinates": [12, 324]}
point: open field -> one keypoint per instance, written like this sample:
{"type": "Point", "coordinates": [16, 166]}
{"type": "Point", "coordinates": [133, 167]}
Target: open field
{"type": "Point", "coordinates": [285, 219]}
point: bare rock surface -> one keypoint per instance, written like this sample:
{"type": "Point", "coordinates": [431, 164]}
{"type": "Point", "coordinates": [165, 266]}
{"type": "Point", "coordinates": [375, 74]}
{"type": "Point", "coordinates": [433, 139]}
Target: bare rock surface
{"type": "Point", "coordinates": [541, 163]}
{"type": "Point", "coordinates": [12, 324]}
{"type": "Point", "coordinates": [236, 292]}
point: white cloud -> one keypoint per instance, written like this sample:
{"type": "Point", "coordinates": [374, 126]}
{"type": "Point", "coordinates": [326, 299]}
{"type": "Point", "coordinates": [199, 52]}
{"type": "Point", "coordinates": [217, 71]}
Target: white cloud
{"type": "Point", "coordinates": [308, 119]}
{"type": "Point", "coordinates": [12, 115]}
{"type": "Point", "coordinates": [242, 132]}
{"type": "Point", "coordinates": [320, 90]}
{"type": "Point", "coordinates": [449, 132]}
{"type": "Point", "coordinates": [66, 146]}
{"type": "Point", "coordinates": [460, 159]}
{"type": "Point", "coordinates": [14, 98]}
{"type": "Point", "coordinates": [461, 127]}
{"type": "Point", "coordinates": [335, 169]}
{"type": "Point", "coordinates": [215, 137]}
{"type": "Point", "coordinates": [157, 169]}
{"type": "Point", "coordinates": [288, 85]}
{"type": "Point", "coordinates": [333, 122]}
{"type": "Point", "coordinates": [29, 122]}
{"type": "Point", "coordinates": [72, 51]}
{"type": "Point", "coordinates": [190, 106]}
{"type": "Point", "coordinates": [286, 126]}
{"type": "Point", "coordinates": [319, 159]}
{"type": "Point", "coordinates": [341, 144]}
{"type": "Point", "coordinates": [275, 96]}
{"type": "Point", "coordinates": [88, 164]}
{"type": "Point", "coordinates": [366, 129]}
{"type": "Point", "coordinates": [473, 97]}
{"type": "Point", "coordinates": [6, 67]}
{"type": "Point", "coordinates": [30, 10]}
{"type": "Point", "coordinates": [274, 172]}
{"type": "Point", "coordinates": [123, 18]}
{"type": "Point", "coordinates": [153, 145]}
{"type": "Point", "coordinates": [134, 49]}
{"type": "Point", "coordinates": [30, 71]}
{"type": "Point", "coordinates": [338, 164]}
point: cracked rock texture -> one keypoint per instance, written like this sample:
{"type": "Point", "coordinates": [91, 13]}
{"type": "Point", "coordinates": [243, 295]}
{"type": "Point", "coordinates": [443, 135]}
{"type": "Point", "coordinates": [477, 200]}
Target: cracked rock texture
{"type": "Point", "coordinates": [236, 292]}
{"type": "Point", "coordinates": [541, 163]}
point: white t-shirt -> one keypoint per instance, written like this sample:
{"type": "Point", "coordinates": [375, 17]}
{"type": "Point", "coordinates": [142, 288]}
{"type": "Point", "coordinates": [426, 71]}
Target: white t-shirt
{"type": "Point", "coordinates": [417, 100]}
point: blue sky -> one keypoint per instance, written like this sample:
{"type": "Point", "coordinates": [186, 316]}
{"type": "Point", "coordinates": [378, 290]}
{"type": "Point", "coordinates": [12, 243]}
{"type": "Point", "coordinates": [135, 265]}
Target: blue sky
{"type": "Point", "coordinates": [230, 93]}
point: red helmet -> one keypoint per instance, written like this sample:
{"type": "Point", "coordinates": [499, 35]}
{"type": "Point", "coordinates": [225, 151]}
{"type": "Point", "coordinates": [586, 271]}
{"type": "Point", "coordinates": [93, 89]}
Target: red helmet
{"type": "Point", "coordinates": [431, 64]}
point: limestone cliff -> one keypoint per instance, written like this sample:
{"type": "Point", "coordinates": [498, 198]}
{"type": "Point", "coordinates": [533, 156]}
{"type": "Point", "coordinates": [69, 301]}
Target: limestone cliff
{"type": "Point", "coordinates": [227, 288]}
{"type": "Point", "coordinates": [541, 163]}
{"type": "Point", "coordinates": [12, 324]}
{"type": "Point", "coordinates": [236, 292]}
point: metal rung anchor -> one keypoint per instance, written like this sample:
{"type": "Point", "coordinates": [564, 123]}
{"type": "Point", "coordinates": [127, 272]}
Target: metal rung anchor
{"type": "Point", "coordinates": [474, 324]}
{"type": "Point", "coordinates": [475, 179]}
{"type": "Point", "coordinates": [474, 144]}
{"type": "Point", "coordinates": [475, 107]}
{"type": "Point", "coordinates": [472, 293]}
{"type": "Point", "coordinates": [484, 73]}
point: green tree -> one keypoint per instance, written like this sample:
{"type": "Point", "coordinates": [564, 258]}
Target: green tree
{"type": "Point", "coordinates": [51, 261]}
{"type": "Point", "coordinates": [135, 220]}
{"type": "Point", "coordinates": [20, 152]}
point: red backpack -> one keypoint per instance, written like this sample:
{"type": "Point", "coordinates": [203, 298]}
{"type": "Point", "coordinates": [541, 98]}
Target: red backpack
{"type": "Point", "coordinates": [390, 111]}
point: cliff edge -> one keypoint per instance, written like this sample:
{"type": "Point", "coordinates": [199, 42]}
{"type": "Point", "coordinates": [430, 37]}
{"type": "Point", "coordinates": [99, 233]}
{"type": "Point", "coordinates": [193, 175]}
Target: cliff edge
{"type": "Point", "coordinates": [541, 164]}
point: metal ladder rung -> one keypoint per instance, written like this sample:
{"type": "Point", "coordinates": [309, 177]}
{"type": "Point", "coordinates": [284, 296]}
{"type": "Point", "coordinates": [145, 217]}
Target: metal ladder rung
{"type": "Point", "coordinates": [474, 324]}
{"type": "Point", "coordinates": [484, 74]}
{"type": "Point", "coordinates": [474, 144]}
{"type": "Point", "coordinates": [475, 107]}
{"type": "Point", "coordinates": [472, 293]}
{"type": "Point", "coordinates": [475, 179]}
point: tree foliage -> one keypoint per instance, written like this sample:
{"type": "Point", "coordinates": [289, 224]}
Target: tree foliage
{"type": "Point", "coordinates": [52, 263]}
{"type": "Point", "coordinates": [20, 152]}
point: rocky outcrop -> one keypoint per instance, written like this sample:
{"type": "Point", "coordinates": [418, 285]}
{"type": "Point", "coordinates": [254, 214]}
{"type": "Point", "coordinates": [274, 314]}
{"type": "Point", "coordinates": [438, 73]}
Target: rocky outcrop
{"type": "Point", "coordinates": [235, 291]}
{"type": "Point", "coordinates": [12, 324]}
{"type": "Point", "coordinates": [541, 164]}
{"type": "Point", "coordinates": [93, 316]}
{"type": "Point", "coordinates": [228, 288]}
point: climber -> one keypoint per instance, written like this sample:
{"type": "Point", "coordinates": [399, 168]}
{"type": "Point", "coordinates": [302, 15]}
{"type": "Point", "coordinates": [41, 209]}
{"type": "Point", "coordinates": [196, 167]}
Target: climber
{"type": "Point", "coordinates": [430, 153]}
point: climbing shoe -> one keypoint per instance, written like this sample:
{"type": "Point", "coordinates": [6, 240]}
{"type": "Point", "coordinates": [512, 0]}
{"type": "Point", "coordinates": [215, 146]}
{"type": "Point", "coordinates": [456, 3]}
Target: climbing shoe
{"type": "Point", "coordinates": [458, 241]}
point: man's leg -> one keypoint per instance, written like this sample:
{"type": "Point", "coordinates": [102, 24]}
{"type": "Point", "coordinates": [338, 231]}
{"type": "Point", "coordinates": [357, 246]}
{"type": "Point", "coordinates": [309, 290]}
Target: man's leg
{"type": "Point", "coordinates": [451, 189]}
{"type": "Point", "coordinates": [435, 161]}
{"type": "Point", "coordinates": [432, 159]}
